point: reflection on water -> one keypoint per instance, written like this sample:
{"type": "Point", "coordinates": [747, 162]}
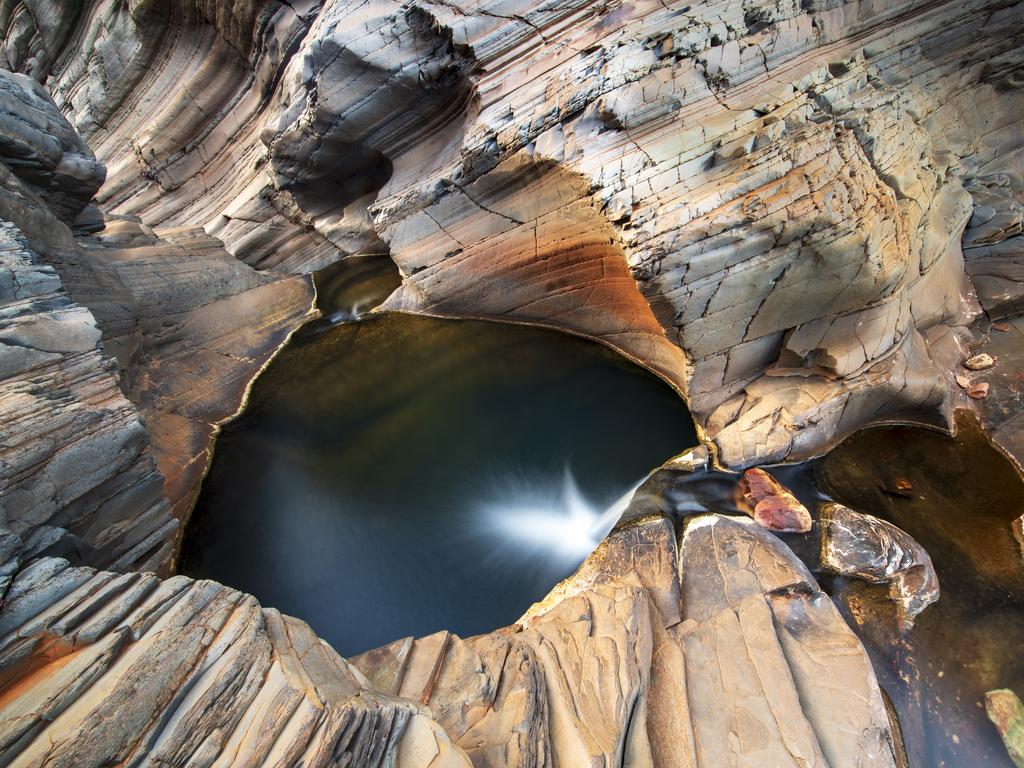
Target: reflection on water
{"type": "Point", "coordinates": [401, 474]}
{"type": "Point", "coordinates": [965, 495]}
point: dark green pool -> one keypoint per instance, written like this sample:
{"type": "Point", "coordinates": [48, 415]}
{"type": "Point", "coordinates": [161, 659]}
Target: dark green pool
{"type": "Point", "coordinates": [399, 475]}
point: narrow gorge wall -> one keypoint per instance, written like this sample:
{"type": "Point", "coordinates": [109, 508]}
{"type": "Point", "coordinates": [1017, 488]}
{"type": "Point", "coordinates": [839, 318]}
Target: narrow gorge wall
{"type": "Point", "coordinates": [763, 203]}
{"type": "Point", "coordinates": [122, 350]}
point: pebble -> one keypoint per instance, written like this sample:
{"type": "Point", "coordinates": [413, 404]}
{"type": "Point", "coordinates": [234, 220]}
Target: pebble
{"type": "Point", "coordinates": [979, 362]}
{"type": "Point", "coordinates": [978, 391]}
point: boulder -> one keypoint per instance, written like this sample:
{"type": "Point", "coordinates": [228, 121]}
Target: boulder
{"type": "Point", "coordinates": [771, 504]}
{"type": "Point", "coordinates": [1006, 712]}
{"type": "Point", "coordinates": [865, 547]}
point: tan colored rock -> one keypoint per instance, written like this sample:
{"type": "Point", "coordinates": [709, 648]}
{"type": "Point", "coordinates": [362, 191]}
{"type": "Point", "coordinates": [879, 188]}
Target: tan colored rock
{"type": "Point", "coordinates": [979, 362]}
{"type": "Point", "coordinates": [203, 326]}
{"type": "Point", "coordinates": [761, 636]}
{"type": "Point", "coordinates": [99, 668]}
{"type": "Point", "coordinates": [707, 655]}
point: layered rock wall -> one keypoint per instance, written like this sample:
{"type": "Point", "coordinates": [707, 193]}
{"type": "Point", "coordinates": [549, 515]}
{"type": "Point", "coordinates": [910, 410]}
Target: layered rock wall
{"type": "Point", "coordinates": [712, 649]}
{"type": "Point", "coordinates": [76, 476]}
{"type": "Point", "coordinates": [165, 317]}
{"type": "Point", "coordinates": [763, 203]}
{"type": "Point", "coordinates": [98, 668]}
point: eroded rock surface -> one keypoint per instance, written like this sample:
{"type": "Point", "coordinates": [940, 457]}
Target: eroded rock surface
{"type": "Point", "coordinates": [76, 476]}
{"type": "Point", "coordinates": [791, 211]}
{"type": "Point", "coordinates": [189, 325]}
{"type": "Point", "coordinates": [203, 325]}
{"type": "Point", "coordinates": [763, 203]}
{"type": "Point", "coordinates": [860, 545]}
{"type": "Point", "coordinates": [716, 650]}
{"type": "Point", "coordinates": [98, 668]}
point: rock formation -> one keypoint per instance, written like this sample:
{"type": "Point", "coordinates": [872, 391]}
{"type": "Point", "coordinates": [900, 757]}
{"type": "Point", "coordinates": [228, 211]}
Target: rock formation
{"type": "Point", "coordinates": [704, 650]}
{"type": "Point", "coordinates": [763, 204]}
{"type": "Point", "coordinates": [859, 545]}
{"type": "Point", "coordinates": [793, 212]}
{"type": "Point", "coordinates": [99, 668]}
{"type": "Point", "coordinates": [189, 326]}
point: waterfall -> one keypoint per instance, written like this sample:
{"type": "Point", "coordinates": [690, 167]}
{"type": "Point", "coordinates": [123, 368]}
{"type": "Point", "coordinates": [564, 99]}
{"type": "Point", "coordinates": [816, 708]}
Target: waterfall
{"type": "Point", "coordinates": [558, 519]}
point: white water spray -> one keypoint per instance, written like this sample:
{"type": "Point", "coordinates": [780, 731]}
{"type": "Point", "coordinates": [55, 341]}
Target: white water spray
{"type": "Point", "coordinates": [354, 312]}
{"type": "Point", "coordinates": [559, 520]}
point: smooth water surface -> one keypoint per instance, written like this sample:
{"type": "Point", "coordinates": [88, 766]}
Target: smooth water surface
{"type": "Point", "coordinates": [965, 495]}
{"type": "Point", "coordinates": [400, 475]}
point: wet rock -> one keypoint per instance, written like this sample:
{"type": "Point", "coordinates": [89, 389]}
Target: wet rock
{"type": "Point", "coordinates": [978, 390]}
{"type": "Point", "coordinates": [894, 482]}
{"type": "Point", "coordinates": [979, 362]}
{"type": "Point", "coordinates": [1001, 327]}
{"type": "Point", "coordinates": [694, 460]}
{"type": "Point", "coordinates": [1006, 711]}
{"type": "Point", "coordinates": [770, 503]}
{"type": "Point", "coordinates": [863, 546]}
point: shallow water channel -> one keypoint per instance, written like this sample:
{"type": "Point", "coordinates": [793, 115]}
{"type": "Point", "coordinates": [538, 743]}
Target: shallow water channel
{"type": "Point", "coordinates": [964, 495]}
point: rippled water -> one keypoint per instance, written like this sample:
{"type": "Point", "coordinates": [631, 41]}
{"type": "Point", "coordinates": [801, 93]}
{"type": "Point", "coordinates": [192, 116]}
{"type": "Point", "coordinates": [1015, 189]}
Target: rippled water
{"type": "Point", "coordinates": [399, 475]}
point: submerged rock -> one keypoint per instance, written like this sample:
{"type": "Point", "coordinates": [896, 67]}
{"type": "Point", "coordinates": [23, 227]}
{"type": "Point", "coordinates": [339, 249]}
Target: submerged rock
{"type": "Point", "coordinates": [771, 504]}
{"type": "Point", "coordinates": [978, 391]}
{"type": "Point", "coordinates": [1006, 711]}
{"type": "Point", "coordinates": [979, 362]}
{"type": "Point", "coordinates": [855, 544]}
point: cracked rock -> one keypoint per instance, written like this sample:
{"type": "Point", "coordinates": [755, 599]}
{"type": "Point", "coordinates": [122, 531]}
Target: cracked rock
{"type": "Point", "coordinates": [865, 547]}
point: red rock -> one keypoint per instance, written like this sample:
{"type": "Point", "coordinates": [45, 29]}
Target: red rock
{"type": "Point", "coordinates": [1000, 326]}
{"type": "Point", "coordinates": [978, 391]}
{"type": "Point", "coordinates": [771, 504]}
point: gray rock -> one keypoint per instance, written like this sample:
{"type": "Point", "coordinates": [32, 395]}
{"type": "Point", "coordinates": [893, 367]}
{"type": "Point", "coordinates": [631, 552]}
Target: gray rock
{"type": "Point", "coordinates": [859, 545]}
